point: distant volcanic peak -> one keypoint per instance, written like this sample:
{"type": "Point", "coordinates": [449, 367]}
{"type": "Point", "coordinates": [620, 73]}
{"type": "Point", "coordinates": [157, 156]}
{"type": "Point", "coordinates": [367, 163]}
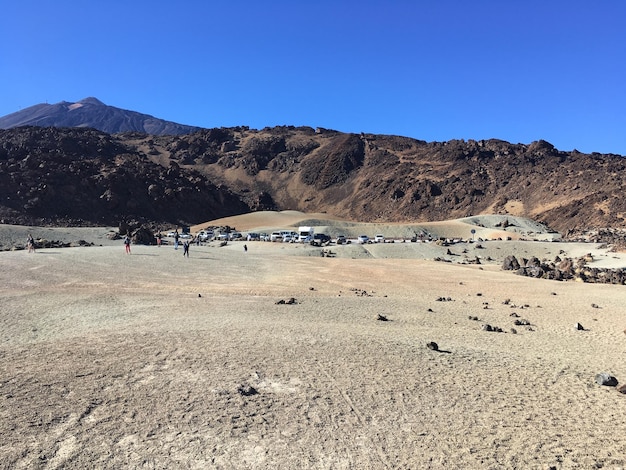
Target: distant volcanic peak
{"type": "Point", "coordinates": [91, 100]}
{"type": "Point", "coordinates": [91, 112]}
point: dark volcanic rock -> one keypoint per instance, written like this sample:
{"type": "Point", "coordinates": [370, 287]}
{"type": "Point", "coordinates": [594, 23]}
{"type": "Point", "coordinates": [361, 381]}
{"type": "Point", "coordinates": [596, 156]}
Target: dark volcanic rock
{"type": "Point", "coordinates": [226, 171]}
{"type": "Point", "coordinates": [333, 163]}
{"type": "Point", "coordinates": [567, 269]}
{"type": "Point", "coordinates": [606, 379]}
{"type": "Point", "coordinates": [82, 176]}
{"type": "Point", "coordinates": [510, 263]}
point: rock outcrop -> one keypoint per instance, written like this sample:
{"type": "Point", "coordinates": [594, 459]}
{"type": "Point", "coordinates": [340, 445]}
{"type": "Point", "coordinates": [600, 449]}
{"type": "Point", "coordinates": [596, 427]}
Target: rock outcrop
{"type": "Point", "coordinates": [563, 270]}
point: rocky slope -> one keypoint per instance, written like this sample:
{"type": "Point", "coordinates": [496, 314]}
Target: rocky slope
{"type": "Point", "coordinates": [87, 176]}
{"type": "Point", "coordinates": [83, 176]}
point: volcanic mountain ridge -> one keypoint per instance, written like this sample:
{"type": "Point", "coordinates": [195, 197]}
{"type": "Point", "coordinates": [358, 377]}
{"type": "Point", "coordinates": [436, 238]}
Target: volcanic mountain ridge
{"type": "Point", "coordinates": [83, 176]}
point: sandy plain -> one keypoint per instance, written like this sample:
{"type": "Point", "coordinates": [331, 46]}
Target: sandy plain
{"type": "Point", "coordinates": [153, 360]}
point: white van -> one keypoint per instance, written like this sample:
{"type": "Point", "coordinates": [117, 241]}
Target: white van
{"type": "Point", "coordinates": [305, 234]}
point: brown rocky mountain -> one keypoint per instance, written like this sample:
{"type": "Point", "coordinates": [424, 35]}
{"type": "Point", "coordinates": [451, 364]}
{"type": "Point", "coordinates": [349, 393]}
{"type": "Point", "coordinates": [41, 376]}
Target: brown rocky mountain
{"type": "Point", "coordinates": [86, 176]}
{"type": "Point", "coordinates": [91, 112]}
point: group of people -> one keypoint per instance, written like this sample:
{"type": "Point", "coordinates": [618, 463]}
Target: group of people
{"type": "Point", "coordinates": [159, 238]}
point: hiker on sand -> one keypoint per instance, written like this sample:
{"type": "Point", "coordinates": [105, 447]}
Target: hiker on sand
{"type": "Point", "coordinates": [30, 243]}
{"type": "Point", "coordinates": [127, 244]}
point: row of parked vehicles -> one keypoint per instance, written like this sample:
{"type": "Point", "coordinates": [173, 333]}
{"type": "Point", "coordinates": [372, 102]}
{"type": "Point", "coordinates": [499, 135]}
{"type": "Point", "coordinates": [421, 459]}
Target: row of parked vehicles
{"type": "Point", "coordinates": [304, 235]}
{"type": "Point", "coordinates": [365, 239]}
{"type": "Point", "coordinates": [208, 235]}
{"type": "Point", "coordinates": [317, 238]}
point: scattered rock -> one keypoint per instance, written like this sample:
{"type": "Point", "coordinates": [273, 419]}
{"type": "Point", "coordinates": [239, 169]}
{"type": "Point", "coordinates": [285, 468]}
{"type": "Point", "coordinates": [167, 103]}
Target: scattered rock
{"type": "Point", "coordinates": [143, 236]}
{"type": "Point", "coordinates": [510, 263]}
{"type": "Point", "coordinates": [496, 329]}
{"type": "Point", "coordinates": [382, 318]}
{"type": "Point", "coordinates": [579, 327]}
{"type": "Point", "coordinates": [606, 379]}
{"type": "Point", "coordinates": [361, 292]}
{"type": "Point", "coordinates": [622, 388]}
{"type": "Point", "coordinates": [290, 301]}
{"type": "Point", "coordinates": [432, 346]}
{"type": "Point", "coordinates": [247, 390]}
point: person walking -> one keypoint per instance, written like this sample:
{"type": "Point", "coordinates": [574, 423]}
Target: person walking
{"type": "Point", "coordinates": [159, 237]}
{"type": "Point", "coordinates": [30, 242]}
{"type": "Point", "coordinates": [127, 244]}
{"type": "Point", "coordinates": [186, 248]}
{"type": "Point", "coordinates": [176, 237]}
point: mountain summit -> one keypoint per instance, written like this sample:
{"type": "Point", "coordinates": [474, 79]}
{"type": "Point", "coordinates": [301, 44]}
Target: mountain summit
{"type": "Point", "coordinates": [91, 112]}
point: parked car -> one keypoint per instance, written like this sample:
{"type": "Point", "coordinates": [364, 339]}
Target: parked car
{"type": "Point", "coordinates": [264, 237]}
{"type": "Point", "coordinates": [253, 237]}
{"type": "Point", "coordinates": [287, 238]}
{"type": "Point", "coordinates": [276, 237]}
{"type": "Point", "coordinates": [235, 236]}
{"type": "Point", "coordinates": [322, 237]}
{"type": "Point", "coordinates": [185, 236]}
{"type": "Point", "coordinates": [171, 234]}
{"type": "Point", "coordinates": [363, 239]}
{"type": "Point", "coordinates": [205, 235]}
{"type": "Point", "coordinates": [379, 238]}
{"type": "Point", "coordinates": [341, 239]}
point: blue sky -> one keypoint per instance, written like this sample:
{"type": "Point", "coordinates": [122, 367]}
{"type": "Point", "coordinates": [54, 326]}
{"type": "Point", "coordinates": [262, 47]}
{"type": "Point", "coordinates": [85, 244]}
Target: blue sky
{"type": "Point", "coordinates": [434, 70]}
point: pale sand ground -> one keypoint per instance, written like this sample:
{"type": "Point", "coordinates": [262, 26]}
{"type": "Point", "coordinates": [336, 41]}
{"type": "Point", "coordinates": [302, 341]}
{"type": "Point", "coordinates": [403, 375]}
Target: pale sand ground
{"type": "Point", "coordinates": [115, 361]}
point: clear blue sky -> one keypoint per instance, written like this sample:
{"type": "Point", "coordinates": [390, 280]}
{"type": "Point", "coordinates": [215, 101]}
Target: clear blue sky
{"type": "Point", "coordinates": [431, 69]}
